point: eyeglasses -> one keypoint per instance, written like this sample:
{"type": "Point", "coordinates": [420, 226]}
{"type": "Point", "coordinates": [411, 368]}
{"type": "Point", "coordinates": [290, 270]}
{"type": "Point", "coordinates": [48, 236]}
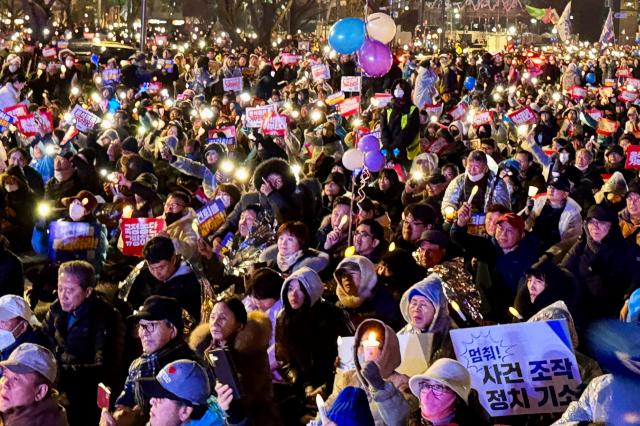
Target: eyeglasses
{"type": "Point", "coordinates": [149, 327]}
{"type": "Point", "coordinates": [436, 388]}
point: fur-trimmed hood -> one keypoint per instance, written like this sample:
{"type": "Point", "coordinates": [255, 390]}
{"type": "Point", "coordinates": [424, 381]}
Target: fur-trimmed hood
{"type": "Point", "coordinates": [278, 166]}
{"type": "Point", "coordinates": [368, 281]}
{"type": "Point", "coordinates": [253, 337]}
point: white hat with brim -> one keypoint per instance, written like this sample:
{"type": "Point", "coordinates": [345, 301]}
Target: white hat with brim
{"type": "Point", "coordinates": [447, 372]}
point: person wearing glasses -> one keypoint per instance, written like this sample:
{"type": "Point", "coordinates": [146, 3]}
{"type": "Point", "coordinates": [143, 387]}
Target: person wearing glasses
{"type": "Point", "coordinates": [159, 325]}
{"type": "Point", "coordinates": [445, 395]}
{"type": "Point", "coordinates": [369, 241]}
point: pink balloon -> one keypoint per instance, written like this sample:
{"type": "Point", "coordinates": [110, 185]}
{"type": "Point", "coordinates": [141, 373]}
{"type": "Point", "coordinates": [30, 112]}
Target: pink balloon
{"type": "Point", "coordinates": [369, 143]}
{"type": "Point", "coordinates": [375, 58]}
{"type": "Point", "coordinates": [374, 161]}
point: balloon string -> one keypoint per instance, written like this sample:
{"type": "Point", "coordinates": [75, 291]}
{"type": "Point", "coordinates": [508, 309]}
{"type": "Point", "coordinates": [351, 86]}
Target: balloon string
{"type": "Point", "coordinates": [364, 180]}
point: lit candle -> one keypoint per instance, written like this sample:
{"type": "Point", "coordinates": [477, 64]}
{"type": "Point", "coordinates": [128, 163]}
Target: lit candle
{"type": "Point", "coordinates": [456, 308]}
{"type": "Point", "coordinates": [513, 311]}
{"type": "Point", "coordinates": [474, 191]}
{"type": "Point", "coordinates": [371, 347]}
{"type": "Point", "coordinates": [449, 213]}
{"type": "Point", "coordinates": [532, 191]}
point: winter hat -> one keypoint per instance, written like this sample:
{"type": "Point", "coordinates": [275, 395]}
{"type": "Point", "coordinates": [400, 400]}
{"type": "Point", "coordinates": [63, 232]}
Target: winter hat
{"type": "Point", "coordinates": [217, 148]}
{"type": "Point", "coordinates": [616, 184]}
{"type": "Point", "coordinates": [634, 186]}
{"type": "Point", "coordinates": [560, 183]}
{"type": "Point", "coordinates": [351, 408]}
{"type": "Point", "coordinates": [86, 198]}
{"type": "Point", "coordinates": [614, 149]}
{"type": "Point", "coordinates": [435, 236]}
{"type": "Point", "coordinates": [513, 220]}
{"type": "Point", "coordinates": [447, 372]}
{"type": "Point", "coordinates": [602, 213]}
{"type": "Point", "coordinates": [265, 283]}
{"type": "Point", "coordinates": [130, 144]}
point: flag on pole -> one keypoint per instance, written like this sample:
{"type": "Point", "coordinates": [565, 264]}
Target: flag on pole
{"type": "Point", "coordinates": [608, 36]}
{"type": "Point", "coordinates": [563, 26]}
{"type": "Point", "coordinates": [535, 12]}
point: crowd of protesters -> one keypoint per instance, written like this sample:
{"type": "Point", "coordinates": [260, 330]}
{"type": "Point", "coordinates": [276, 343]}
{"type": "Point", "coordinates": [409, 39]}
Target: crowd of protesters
{"type": "Point", "coordinates": [535, 219]}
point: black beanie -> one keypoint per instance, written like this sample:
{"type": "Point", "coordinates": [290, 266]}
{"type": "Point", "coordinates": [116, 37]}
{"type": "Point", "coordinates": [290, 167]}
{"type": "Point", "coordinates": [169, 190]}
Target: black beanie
{"type": "Point", "coordinates": [266, 283]}
{"type": "Point", "coordinates": [130, 144]}
{"type": "Point", "coordinates": [238, 309]}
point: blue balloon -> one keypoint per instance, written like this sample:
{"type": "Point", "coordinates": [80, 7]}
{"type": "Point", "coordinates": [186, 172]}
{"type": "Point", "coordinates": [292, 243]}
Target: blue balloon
{"type": "Point", "coordinates": [590, 78]}
{"type": "Point", "coordinates": [470, 83]}
{"type": "Point", "coordinates": [347, 35]}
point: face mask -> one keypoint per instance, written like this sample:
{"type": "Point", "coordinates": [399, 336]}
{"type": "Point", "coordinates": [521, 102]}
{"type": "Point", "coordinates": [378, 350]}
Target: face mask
{"type": "Point", "coordinates": [475, 178]}
{"type": "Point", "coordinates": [172, 217]}
{"type": "Point", "coordinates": [69, 64]}
{"type": "Point", "coordinates": [11, 188]}
{"type": "Point", "coordinates": [564, 157]}
{"type": "Point", "coordinates": [59, 175]}
{"type": "Point", "coordinates": [76, 211]}
{"type": "Point", "coordinates": [398, 93]}
{"type": "Point", "coordinates": [582, 168]}
{"type": "Point", "coordinates": [437, 407]}
{"type": "Point", "coordinates": [6, 339]}
{"type": "Point", "coordinates": [13, 68]}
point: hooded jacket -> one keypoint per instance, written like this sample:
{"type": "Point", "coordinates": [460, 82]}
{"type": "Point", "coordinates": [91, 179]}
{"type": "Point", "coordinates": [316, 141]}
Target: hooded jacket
{"type": "Point", "coordinates": [373, 299]}
{"type": "Point", "coordinates": [249, 355]}
{"type": "Point", "coordinates": [570, 224]}
{"type": "Point", "coordinates": [185, 239]}
{"type": "Point", "coordinates": [306, 338]}
{"type": "Point", "coordinates": [391, 405]}
{"type": "Point", "coordinates": [431, 288]}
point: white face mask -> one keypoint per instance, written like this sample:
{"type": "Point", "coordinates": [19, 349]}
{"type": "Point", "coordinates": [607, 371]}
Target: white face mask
{"type": "Point", "coordinates": [582, 168]}
{"type": "Point", "coordinates": [6, 339]}
{"type": "Point", "coordinates": [564, 157]}
{"type": "Point", "coordinates": [475, 178]}
{"type": "Point", "coordinates": [13, 68]}
{"type": "Point", "coordinates": [76, 211]}
{"type": "Point", "coordinates": [398, 93]}
{"type": "Point", "coordinates": [11, 188]}
{"type": "Point", "coordinates": [69, 63]}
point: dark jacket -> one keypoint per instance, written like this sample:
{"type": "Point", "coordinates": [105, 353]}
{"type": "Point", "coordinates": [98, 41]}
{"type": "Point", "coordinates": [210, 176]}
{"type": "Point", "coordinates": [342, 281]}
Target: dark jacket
{"type": "Point", "coordinates": [498, 273]}
{"type": "Point", "coordinates": [34, 179]}
{"type": "Point", "coordinates": [393, 134]}
{"type": "Point", "coordinates": [88, 350]}
{"type": "Point", "coordinates": [31, 335]}
{"type": "Point", "coordinates": [11, 273]}
{"type": "Point", "coordinates": [17, 218]}
{"type": "Point", "coordinates": [248, 352]}
{"type": "Point", "coordinates": [606, 272]}
{"type": "Point", "coordinates": [55, 191]}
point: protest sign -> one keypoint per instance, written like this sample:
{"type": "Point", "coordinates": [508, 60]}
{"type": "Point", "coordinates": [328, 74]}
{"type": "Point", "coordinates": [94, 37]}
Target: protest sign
{"type": "Point", "coordinates": [437, 146]}
{"type": "Point", "coordinates": [578, 92]}
{"type": "Point", "coordinates": [334, 98]}
{"type": "Point", "coordinates": [628, 96]}
{"type": "Point", "coordinates": [303, 45]}
{"type": "Point", "coordinates": [85, 120]}
{"type": "Point", "coordinates": [633, 84]}
{"type": "Point", "coordinates": [350, 84]}
{"type": "Point", "coordinates": [289, 59]}
{"type": "Point", "coordinates": [32, 124]}
{"type": "Point", "coordinates": [349, 106]}
{"type": "Point", "coordinates": [524, 368]}
{"type": "Point", "coordinates": [606, 127]}
{"type": "Point", "coordinates": [434, 110]}
{"type": "Point", "coordinates": [49, 52]}
{"type": "Point", "coordinates": [459, 110]}
{"type": "Point", "coordinates": [524, 115]}
{"type": "Point", "coordinates": [415, 352]}
{"type": "Point", "coordinates": [320, 72]}
{"type": "Point", "coordinates": [165, 64]}
{"type": "Point", "coordinates": [595, 114]}
{"type": "Point", "coordinates": [5, 120]}
{"type": "Point", "coordinates": [274, 124]}
{"type": "Point", "coordinates": [62, 44]}
{"type": "Point", "coordinates": [72, 240]}
{"type": "Point", "coordinates": [482, 117]}
{"type": "Point", "coordinates": [380, 100]}
{"type": "Point", "coordinates": [17, 111]}
{"type": "Point", "coordinates": [633, 157]}
{"type": "Point", "coordinates": [210, 218]}
{"type": "Point", "coordinates": [229, 138]}
{"type": "Point", "coordinates": [623, 73]}
{"type": "Point", "coordinates": [111, 76]}
{"type": "Point", "coordinates": [605, 92]}
{"type": "Point", "coordinates": [232, 84]}
{"type": "Point", "coordinates": [136, 231]}
{"type": "Point", "coordinates": [255, 116]}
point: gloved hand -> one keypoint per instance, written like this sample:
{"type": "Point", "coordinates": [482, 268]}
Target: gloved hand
{"type": "Point", "coordinates": [371, 372]}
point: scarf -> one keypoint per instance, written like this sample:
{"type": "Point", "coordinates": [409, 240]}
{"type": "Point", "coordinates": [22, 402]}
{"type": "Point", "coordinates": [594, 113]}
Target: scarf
{"type": "Point", "coordinates": [286, 262]}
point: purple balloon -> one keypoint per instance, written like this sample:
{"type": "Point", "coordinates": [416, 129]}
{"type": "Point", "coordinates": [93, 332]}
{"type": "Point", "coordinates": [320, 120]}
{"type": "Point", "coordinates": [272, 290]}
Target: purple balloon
{"type": "Point", "coordinates": [375, 58]}
{"type": "Point", "coordinates": [369, 143]}
{"type": "Point", "coordinates": [374, 161]}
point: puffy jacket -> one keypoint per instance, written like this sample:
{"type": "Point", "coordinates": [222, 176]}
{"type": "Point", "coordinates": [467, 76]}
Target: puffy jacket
{"type": "Point", "coordinates": [496, 193]}
{"type": "Point", "coordinates": [424, 90]}
{"type": "Point", "coordinates": [570, 224]}
{"type": "Point", "coordinates": [184, 237]}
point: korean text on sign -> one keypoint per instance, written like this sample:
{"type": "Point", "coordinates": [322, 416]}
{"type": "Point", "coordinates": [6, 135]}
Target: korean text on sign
{"type": "Point", "coordinates": [524, 368]}
{"type": "Point", "coordinates": [210, 218]}
{"type": "Point", "coordinates": [137, 231]}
